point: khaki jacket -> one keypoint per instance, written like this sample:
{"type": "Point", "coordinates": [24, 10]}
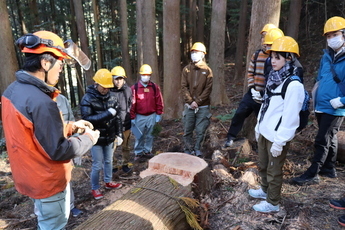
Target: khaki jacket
{"type": "Point", "coordinates": [196, 83]}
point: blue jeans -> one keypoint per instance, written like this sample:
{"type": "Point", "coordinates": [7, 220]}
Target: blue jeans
{"type": "Point", "coordinates": [102, 158]}
{"type": "Point", "coordinates": [53, 212]}
{"type": "Point", "coordinates": [145, 124]}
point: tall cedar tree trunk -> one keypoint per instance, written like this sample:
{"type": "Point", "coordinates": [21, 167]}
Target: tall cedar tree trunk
{"type": "Point", "coordinates": [34, 13]}
{"type": "Point", "coordinates": [172, 66]}
{"type": "Point", "coordinates": [185, 44]}
{"type": "Point", "coordinates": [95, 9]}
{"type": "Point", "coordinates": [294, 18]}
{"type": "Point", "coordinates": [84, 43]}
{"type": "Point", "coordinates": [241, 41]}
{"type": "Point", "coordinates": [6, 74]}
{"type": "Point", "coordinates": [192, 20]}
{"type": "Point", "coordinates": [20, 18]}
{"type": "Point", "coordinates": [263, 12]}
{"type": "Point", "coordinates": [139, 23]}
{"type": "Point", "coordinates": [217, 40]}
{"type": "Point", "coordinates": [149, 38]}
{"type": "Point", "coordinates": [200, 23]}
{"type": "Point", "coordinates": [74, 37]}
{"type": "Point", "coordinates": [124, 40]}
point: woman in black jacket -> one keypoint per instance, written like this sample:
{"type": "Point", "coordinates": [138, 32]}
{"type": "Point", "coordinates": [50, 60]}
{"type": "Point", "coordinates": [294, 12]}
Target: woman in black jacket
{"type": "Point", "coordinates": [100, 107]}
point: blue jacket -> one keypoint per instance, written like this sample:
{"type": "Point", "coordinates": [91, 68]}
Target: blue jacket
{"type": "Point", "coordinates": [328, 88]}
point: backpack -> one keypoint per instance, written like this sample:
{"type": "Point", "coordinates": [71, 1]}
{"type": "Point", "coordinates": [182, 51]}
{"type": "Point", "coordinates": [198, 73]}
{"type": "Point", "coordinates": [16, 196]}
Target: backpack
{"type": "Point", "coordinates": [304, 113]}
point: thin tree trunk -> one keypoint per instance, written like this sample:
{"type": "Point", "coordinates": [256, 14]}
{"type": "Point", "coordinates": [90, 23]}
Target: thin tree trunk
{"type": "Point", "coordinates": [241, 41]}
{"type": "Point", "coordinates": [294, 18]}
{"type": "Point", "coordinates": [7, 75]}
{"type": "Point", "coordinates": [95, 8]}
{"type": "Point", "coordinates": [171, 59]}
{"type": "Point", "coordinates": [80, 21]}
{"type": "Point", "coordinates": [124, 39]}
{"type": "Point", "coordinates": [217, 40]}
{"type": "Point", "coordinates": [263, 12]}
{"type": "Point", "coordinates": [149, 38]}
{"type": "Point", "coordinates": [200, 23]}
{"type": "Point", "coordinates": [184, 33]}
{"type": "Point", "coordinates": [139, 17]}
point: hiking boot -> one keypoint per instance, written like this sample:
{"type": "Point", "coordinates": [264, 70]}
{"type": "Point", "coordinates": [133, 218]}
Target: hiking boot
{"type": "Point", "coordinates": [189, 152]}
{"type": "Point", "coordinates": [76, 212]}
{"type": "Point", "coordinates": [305, 179]}
{"type": "Point", "coordinates": [337, 204]}
{"type": "Point", "coordinates": [331, 173]}
{"type": "Point", "coordinates": [341, 221]}
{"type": "Point", "coordinates": [148, 155]}
{"type": "Point", "coordinates": [112, 185]}
{"type": "Point", "coordinates": [265, 207]}
{"type": "Point", "coordinates": [257, 193]}
{"type": "Point", "coordinates": [140, 158]}
{"type": "Point", "coordinates": [97, 194]}
{"type": "Point", "coordinates": [126, 169]}
{"type": "Point", "coordinates": [198, 153]}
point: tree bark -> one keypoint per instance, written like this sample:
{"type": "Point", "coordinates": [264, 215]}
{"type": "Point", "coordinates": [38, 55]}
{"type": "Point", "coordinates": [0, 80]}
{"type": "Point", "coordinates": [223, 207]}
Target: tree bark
{"type": "Point", "coordinates": [9, 61]}
{"type": "Point", "coordinates": [294, 18]}
{"type": "Point", "coordinates": [263, 12]}
{"type": "Point", "coordinates": [139, 17]}
{"type": "Point", "coordinates": [241, 41]}
{"type": "Point", "coordinates": [149, 38]}
{"type": "Point", "coordinates": [171, 59]}
{"type": "Point", "coordinates": [124, 40]}
{"type": "Point", "coordinates": [95, 8]}
{"type": "Point", "coordinates": [200, 21]}
{"type": "Point", "coordinates": [217, 40]}
{"type": "Point", "coordinates": [152, 204]}
{"type": "Point", "coordinates": [84, 43]}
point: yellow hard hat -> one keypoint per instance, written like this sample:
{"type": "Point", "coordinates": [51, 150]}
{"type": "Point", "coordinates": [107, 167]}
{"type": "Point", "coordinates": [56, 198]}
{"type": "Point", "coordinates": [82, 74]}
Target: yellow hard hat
{"type": "Point", "coordinates": [334, 24]}
{"type": "Point", "coordinates": [267, 27]}
{"type": "Point", "coordinates": [145, 69]}
{"type": "Point", "coordinates": [285, 44]}
{"type": "Point", "coordinates": [104, 78]}
{"type": "Point", "coordinates": [272, 35]}
{"type": "Point", "coordinates": [198, 46]}
{"type": "Point", "coordinates": [118, 71]}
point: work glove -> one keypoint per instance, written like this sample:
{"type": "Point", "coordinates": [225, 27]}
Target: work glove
{"type": "Point", "coordinates": [118, 141]}
{"type": "Point", "coordinates": [112, 111]}
{"type": "Point", "coordinates": [93, 134]}
{"type": "Point", "coordinates": [77, 161]}
{"type": "Point", "coordinates": [256, 95]}
{"type": "Point", "coordinates": [79, 126]}
{"type": "Point", "coordinates": [336, 103]}
{"type": "Point", "coordinates": [276, 150]}
{"type": "Point", "coordinates": [158, 118]}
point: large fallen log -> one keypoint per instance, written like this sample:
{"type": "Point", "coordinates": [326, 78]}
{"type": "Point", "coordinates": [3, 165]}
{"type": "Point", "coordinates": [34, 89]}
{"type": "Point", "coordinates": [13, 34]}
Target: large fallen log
{"type": "Point", "coordinates": [159, 201]}
{"type": "Point", "coordinates": [341, 146]}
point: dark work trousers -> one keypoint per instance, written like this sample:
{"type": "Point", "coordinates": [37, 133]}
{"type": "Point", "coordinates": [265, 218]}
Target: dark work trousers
{"type": "Point", "coordinates": [245, 108]}
{"type": "Point", "coordinates": [326, 143]}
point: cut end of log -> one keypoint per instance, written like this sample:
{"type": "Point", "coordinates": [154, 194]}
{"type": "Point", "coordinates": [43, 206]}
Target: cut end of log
{"type": "Point", "coordinates": [181, 167]}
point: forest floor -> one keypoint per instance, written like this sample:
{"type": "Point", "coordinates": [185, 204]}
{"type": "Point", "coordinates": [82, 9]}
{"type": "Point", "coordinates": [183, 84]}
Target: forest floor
{"type": "Point", "coordinates": [228, 206]}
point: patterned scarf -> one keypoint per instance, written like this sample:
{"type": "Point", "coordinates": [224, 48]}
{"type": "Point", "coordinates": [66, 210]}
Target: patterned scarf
{"type": "Point", "coordinates": [275, 78]}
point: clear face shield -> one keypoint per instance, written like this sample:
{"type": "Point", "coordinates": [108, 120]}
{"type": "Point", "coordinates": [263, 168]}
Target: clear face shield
{"type": "Point", "coordinates": [77, 55]}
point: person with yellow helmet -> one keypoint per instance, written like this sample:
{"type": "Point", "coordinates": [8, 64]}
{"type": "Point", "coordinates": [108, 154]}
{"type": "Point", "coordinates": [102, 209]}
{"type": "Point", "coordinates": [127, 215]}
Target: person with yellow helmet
{"type": "Point", "coordinates": [329, 104]}
{"type": "Point", "coordinates": [251, 101]}
{"type": "Point", "coordinates": [278, 120]}
{"type": "Point", "coordinates": [196, 83]}
{"type": "Point", "coordinates": [124, 96]}
{"type": "Point", "coordinates": [147, 109]}
{"type": "Point", "coordinates": [41, 158]}
{"type": "Point", "coordinates": [100, 107]}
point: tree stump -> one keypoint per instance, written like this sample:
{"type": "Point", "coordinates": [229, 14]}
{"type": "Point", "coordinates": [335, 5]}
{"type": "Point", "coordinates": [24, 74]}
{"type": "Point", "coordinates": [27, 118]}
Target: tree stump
{"type": "Point", "coordinates": [157, 202]}
{"type": "Point", "coordinates": [240, 149]}
{"type": "Point", "coordinates": [183, 168]}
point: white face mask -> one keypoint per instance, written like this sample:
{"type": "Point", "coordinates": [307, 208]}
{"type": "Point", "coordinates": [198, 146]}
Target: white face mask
{"type": "Point", "coordinates": [196, 56]}
{"type": "Point", "coordinates": [145, 78]}
{"type": "Point", "coordinates": [335, 42]}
